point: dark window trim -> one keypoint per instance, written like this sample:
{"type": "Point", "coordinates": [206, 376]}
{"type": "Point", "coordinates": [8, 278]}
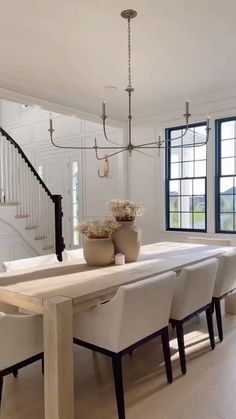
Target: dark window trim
{"type": "Point", "coordinates": [167, 179]}
{"type": "Point", "coordinates": [218, 176]}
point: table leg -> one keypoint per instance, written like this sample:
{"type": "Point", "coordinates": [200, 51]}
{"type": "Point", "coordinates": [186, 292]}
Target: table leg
{"type": "Point", "coordinates": [58, 355]}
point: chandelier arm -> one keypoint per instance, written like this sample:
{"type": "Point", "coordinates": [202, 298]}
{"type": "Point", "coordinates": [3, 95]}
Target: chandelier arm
{"type": "Point", "coordinates": [184, 146]}
{"type": "Point", "coordinates": [166, 143]}
{"type": "Point", "coordinates": [110, 148]}
{"type": "Point", "coordinates": [147, 144]}
{"type": "Point", "coordinates": [105, 134]}
{"type": "Point", "coordinates": [148, 148]}
{"type": "Point", "coordinates": [160, 142]}
{"type": "Point", "coordinates": [107, 156]}
{"type": "Point", "coordinates": [170, 147]}
{"type": "Point", "coordinates": [185, 132]}
{"type": "Point", "coordinates": [145, 154]}
{"type": "Point", "coordinates": [70, 147]}
{"type": "Point", "coordinates": [181, 136]}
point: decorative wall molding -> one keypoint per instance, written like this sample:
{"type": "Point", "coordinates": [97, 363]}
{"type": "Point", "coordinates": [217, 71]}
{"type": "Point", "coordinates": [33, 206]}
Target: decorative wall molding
{"type": "Point", "coordinates": [52, 106]}
{"type": "Point", "coordinates": [30, 130]}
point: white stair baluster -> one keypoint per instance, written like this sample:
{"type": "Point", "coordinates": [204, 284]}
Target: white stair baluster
{"type": "Point", "coordinates": [20, 185]}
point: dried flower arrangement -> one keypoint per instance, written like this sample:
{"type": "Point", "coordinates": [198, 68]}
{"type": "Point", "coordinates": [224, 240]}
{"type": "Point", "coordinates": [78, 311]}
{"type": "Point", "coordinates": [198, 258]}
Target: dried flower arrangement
{"type": "Point", "coordinates": [125, 210]}
{"type": "Point", "coordinates": [99, 229]}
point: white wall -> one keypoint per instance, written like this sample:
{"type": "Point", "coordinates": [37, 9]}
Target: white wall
{"type": "Point", "coordinates": [29, 127]}
{"type": "Point", "coordinates": [147, 175]}
{"type": "Point", "coordinates": [145, 183]}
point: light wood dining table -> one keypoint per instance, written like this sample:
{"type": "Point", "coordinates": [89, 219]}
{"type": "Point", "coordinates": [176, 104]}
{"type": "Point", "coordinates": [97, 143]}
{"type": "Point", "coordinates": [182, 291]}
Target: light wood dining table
{"type": "Point", "coordinates": [60, 297]}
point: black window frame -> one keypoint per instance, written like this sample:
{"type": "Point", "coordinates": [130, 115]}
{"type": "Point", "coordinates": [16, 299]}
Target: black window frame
{"type": "Point", "coordinates": [168, 179]}
{"type": "Point", "coordinates": [218, 176]}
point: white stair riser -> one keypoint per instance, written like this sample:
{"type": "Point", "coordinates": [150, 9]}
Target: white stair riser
{"type": "Point", "coordinates": [18, 184]}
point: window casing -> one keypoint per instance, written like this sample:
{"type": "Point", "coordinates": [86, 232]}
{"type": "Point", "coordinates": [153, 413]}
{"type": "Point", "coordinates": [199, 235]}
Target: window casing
{"type": "Point", "coordinates": [186, 179]}
{"type": "Point", "coordinates": [225, 188]}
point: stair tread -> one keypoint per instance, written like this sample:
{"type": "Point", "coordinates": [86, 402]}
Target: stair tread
{"type": "Point", "coordinates": [31, 228]}
{"type": "Point", "coordinates": [9, 204]}
{"type": "Point", "coordinates": [40, 238]}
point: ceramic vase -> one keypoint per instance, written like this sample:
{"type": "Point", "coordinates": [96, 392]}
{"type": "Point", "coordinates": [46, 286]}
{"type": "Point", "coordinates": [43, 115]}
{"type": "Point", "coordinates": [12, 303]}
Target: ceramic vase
{"type": "Point", "coordinates": [127, 240]}
{"type": "Point", "coordinates": [99, 252]}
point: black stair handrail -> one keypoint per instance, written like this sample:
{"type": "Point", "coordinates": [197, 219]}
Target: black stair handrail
{"type": "Point", "coordinates": [21, 152]}
{"type": "Point", "coordinates": [56, 199]}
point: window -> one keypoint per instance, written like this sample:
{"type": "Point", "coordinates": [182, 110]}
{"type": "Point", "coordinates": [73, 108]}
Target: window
{"type": "Point", "coordinates": [75, 201]}
{"type": "Point", "coordinates": [186, 179]}
{"type": "Point", "coordinates": [226, 175]}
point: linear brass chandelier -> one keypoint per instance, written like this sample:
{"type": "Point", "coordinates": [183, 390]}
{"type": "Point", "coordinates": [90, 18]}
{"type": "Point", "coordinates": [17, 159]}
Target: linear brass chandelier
{"type": "Point", "coordinates": [115, 148]}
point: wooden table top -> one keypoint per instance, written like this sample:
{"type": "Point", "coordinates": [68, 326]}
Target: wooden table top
{"type": "Point", "coordinates": [91, 285]}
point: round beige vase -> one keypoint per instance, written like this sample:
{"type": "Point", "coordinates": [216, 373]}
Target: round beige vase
{"type": "Point", "coordinates": [127, 240]}
{"type": "Point", "coordinates": [99, 252]}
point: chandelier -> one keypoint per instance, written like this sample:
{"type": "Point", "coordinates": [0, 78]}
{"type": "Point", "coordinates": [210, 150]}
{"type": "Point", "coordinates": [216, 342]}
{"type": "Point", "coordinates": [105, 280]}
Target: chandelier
{"type": "Point", "coordinates": [115, 148]}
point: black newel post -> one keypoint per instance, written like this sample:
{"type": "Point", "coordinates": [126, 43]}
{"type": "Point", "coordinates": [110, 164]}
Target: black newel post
{"type": "Point", "coordinates": [60, 245]}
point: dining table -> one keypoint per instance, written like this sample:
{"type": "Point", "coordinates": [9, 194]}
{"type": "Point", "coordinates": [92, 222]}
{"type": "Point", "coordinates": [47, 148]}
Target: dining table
{"type": "Point", "coordinates": [73, 287]}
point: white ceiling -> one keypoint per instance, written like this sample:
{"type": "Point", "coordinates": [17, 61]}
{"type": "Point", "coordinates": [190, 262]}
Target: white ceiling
{"type": "Point", "coordinates": [66, 51]}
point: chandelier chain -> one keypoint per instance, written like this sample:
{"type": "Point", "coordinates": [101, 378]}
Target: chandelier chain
{"type": "Point", "coordinates": [129, 54]}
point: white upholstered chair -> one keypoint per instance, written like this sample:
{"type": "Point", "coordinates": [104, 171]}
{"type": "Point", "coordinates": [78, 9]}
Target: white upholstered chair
{"type": "Point", "coordinates": [225, 284]}
{"type": "Point", "coordinates": [21, 264]}
{"type": "Point", "coordinates": [193, 294]}
{"type": "Point", "coordinates": [16, 266]}
{"type": "Point", "coordinates": [209, 241]}
{"type": "Point", "coordinates": [72, 255]}
{"type": "Point", "coordinates": [136, 314]}
{"type": "Point", "coordinates": [21, 338]}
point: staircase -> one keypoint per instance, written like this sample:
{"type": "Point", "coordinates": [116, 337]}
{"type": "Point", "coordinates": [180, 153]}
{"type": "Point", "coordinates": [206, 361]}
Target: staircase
{"type": "Point", "coordinates": [35, 208]}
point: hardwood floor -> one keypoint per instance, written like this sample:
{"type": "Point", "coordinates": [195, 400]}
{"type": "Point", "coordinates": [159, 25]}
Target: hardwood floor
{"type": "Point", "coordinates": [207, 391]}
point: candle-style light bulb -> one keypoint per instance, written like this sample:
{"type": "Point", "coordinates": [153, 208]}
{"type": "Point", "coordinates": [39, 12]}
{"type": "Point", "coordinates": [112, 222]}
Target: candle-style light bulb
{"type": "Point", "coordinates": [103, 109]}
{"type": "Point", "coordinates": [187, 107]}
{"type": "Point", "coordinates": [208, 122]}
{"type": "Point", "coordinates": [50, 121]}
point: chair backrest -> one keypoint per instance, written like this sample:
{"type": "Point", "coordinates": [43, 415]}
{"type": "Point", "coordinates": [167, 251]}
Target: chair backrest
{"type": "Point", "coordinates": [226, 274]}
{"type": "Point", "coordinates": [194, 288]}
{"type": "Point", "coordinates": [72, 255]}
{"type": "Point", "coordinates": [209, 241]}
{"type": "Point", "coordinates": [140, 309]}
{"type": "Point", "coordinates": [21, 338]}
{"type": "Point", "coordinates": [8, 309]}
{"type": "Point", "coordinates": [21, 264]}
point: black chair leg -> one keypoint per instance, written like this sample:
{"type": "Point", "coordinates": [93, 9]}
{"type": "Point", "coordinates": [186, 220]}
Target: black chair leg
{"type": "Point", "coordinates": [210, 326]}
{"type": "Point", "coordinates": [1, 386]}
{"type": "Point", "coordinates": [166, 352]}
{"type": "Point", "coordinates": [42, 364]}
{"type": "Point", "coordinates": [180, 338]}
{"type": "Point", "coordinates": [118, 380]}
{"type": "Point", "coordinates": [212, 307]}
{"type": "Point", "coordinates": [219, 318]}
{"type": "Point", "coordinates": [15, 373]}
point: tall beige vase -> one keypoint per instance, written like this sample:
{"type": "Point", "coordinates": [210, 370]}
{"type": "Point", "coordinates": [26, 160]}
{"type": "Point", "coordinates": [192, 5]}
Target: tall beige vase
{"type": "Point", "coordinates": [127, 240]}
{"type": "Point", "coordinates": [99, 252]}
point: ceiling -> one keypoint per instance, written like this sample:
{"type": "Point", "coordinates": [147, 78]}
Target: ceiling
{"type": "Point", "coordinates": [66, 51]}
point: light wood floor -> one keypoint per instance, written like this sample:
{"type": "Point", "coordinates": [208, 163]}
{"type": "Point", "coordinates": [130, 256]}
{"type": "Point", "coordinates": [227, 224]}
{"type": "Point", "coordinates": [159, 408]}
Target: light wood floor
{"type": "Point", "coordinates": [208, 391]}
